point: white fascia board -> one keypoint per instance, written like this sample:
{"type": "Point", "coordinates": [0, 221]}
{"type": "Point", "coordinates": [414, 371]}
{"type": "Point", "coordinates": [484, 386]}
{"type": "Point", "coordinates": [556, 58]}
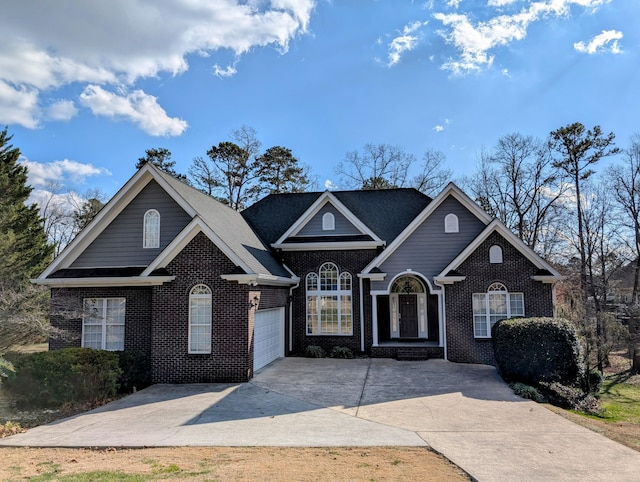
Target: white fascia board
{"type": "Point", "coordinates": [184, 237]}
{"type": "Point", "coordinates": [373, 276]}
{"type": "Point", "coordinates": [450, 190]}
{"type": "Point", "coordinates": [340, 245]}
{"type": "Point", "coordinates": [326, 197]}
{"type": "Point", "coordinates": [515, 241]}
{"type": "Point", "coordinates": [109, 212]}
{"type": "Point", "coordinates": [104, 282]}
{"type": "Point", "coordinates": [260, 279]}
{"type": "Point", "coordinates": [448, 280]}
{"type": "Point", "coordinates": [548, 279]}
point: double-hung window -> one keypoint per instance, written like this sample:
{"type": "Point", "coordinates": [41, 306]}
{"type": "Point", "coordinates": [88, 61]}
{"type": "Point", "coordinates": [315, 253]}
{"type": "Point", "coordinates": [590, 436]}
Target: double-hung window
{"type": "Point", "coordinates": [103, 323]}
{"type": "Point", "coordinates": [200, 319]}
{"type": "Point", "coordinates": [329, 310]}
{"type": "Point", "coordinates": [494, 305]}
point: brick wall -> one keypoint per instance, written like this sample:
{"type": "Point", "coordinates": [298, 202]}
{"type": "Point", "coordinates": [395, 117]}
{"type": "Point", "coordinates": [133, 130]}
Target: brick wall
{"type": "Point", "coordinates": [515, 273]}
{"type": "Point", "coordinates": [200, 262]}
{"type": "Point", "coordinates": [66, 315]}
{"type": "Point", "coordinates": [305, 262]}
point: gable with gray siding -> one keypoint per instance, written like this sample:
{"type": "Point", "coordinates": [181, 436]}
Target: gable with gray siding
{"type": "Point", "coordinates": [120, 244]}
{"type": "Point", "coordinates": [429, 249]}
{"type": "Point", "coordinates": [343, 227]}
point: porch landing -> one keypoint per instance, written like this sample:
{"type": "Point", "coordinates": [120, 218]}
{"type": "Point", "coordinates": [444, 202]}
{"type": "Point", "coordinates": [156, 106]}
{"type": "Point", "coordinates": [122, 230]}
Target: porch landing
{"type": "Point", "coordinates": [407, 350]}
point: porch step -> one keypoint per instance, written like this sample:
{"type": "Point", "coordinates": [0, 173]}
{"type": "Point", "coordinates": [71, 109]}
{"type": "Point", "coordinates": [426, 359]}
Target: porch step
{"type": "Point", "coordinates": [412, 354]}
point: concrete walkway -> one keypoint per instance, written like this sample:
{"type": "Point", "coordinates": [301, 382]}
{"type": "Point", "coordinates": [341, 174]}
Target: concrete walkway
{"type": "Point", "coordinates": [464, 412]}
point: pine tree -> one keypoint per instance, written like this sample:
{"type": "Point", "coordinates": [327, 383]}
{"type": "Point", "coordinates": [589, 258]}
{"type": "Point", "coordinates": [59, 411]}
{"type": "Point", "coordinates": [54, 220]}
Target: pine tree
{"type": "Point", "coordinates": [24, 250]}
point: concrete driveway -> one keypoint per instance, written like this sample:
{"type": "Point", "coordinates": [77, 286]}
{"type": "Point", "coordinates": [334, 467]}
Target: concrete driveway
{"type": "Point", "coordinates": [464, 412]}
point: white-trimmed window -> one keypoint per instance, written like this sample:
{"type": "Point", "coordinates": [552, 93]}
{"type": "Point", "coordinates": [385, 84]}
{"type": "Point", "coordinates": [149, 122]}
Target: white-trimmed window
{"type": "Point", "coordinates": [329, 310]}
{"type": "Point", "coordinates": [200, 319]}
{"type": "Point", "coordinates": [494, 305]}
{"type": "Point", "coordinates": [328, 222]}
{"type": "Point", "coordinates": [495, 254]}
{"type": "Point", "coordinates": [103, 323]}
{"type": "Point", "coordinates": [151, 229]}
{"type": "Point", "coordinates": [451, 224]}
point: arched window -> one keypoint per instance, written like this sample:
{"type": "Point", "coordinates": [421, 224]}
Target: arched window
{"type": "Point", "coordinates": [200, 319]}
{"type": "Point", "coordinates": [494, 305]}
{"type": "Point", "coordinates": [329, 309]}
{"type": "Point", "coordinates": [151, 229]}
{"type": "Point", "coordinates": [328, 222]}
{"type": "Point", "coordinates": [451, 223]}
{"type": "Point", "coordinates": [495, 254]}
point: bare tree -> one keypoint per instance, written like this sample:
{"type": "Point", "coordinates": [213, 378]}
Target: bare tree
{"type": "Point", "coordinates": [378, 166]}
{"type": "Point", "coordinates": [205, 175]}
{"type": "Point", "coordinates": [517, 183]}
{"type": "Point", "coordinates": [433, 175]}
{"type": "Point", "coordinates": [625, 183]}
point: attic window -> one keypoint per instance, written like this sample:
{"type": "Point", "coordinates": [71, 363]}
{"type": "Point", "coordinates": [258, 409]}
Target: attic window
{"type": "Point", "coordinates": [151, 229]}
{"type": "Point", "coordinates": [451, 223]}
{"type": "Point", "coordinates": [495, 254]}
{"type": "Point", "coordinates": [328, 222]}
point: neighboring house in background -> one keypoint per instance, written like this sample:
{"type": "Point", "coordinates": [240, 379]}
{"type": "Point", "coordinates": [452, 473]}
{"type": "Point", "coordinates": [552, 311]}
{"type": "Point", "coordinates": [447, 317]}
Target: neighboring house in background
{"type": "Point", "coordinates": [210, 294]}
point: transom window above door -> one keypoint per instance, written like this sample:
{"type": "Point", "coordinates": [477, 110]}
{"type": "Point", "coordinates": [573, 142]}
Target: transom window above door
{"type": "Point", "coordinates": [407, 284]}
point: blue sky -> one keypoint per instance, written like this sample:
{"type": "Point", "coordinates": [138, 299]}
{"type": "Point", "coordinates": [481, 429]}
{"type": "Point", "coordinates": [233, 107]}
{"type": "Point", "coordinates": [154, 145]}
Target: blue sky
{"type": "Point", "coordinates": [87, 86]}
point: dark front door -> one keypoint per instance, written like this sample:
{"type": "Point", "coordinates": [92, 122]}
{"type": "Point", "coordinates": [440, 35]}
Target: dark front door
{"type": "Point", "coordinates": [408, 316]}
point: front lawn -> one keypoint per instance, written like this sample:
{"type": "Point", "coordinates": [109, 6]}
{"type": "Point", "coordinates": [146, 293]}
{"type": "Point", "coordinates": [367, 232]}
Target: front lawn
{"type": "Point", "coordinates": [620, 396]}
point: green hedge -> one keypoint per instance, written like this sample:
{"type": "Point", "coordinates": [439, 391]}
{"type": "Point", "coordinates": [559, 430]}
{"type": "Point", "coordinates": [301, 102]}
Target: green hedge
{"type": "Point", "coordinates": [136, 371]}
{"type": "Point", "coordinates": [72, 375]}
{"type": "Point", "coordinates": [534, 350]}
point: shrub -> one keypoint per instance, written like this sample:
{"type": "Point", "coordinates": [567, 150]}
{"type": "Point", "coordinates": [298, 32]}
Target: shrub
{"type": "Point", "coordinates": [593, 382]}
{"type": "Point", "coordinates": [571, 398]}
{"type": "Point", "coordinates": [528, 392]}
{"type": "Point", "coordinates": [533, 350]}
{"type": "Point", "coordinates": [71, 375]}
{"type": "Point", "coordinates": [341, 352]}
{"type": "Point", "coordinates": [136, 371]}
{"type": "Point", "coordinates": [314, 351]}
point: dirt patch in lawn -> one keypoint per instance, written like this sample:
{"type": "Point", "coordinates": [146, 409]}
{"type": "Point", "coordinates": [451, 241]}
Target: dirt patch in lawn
{"type": "Point", "coordinates": [233, 464]}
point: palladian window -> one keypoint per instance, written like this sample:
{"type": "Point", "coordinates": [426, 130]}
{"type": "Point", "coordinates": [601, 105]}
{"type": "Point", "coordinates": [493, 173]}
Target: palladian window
{"type": "Point", "coordinates": [329, 310]}
{"type": "Point", "coordinates": [495, 305]}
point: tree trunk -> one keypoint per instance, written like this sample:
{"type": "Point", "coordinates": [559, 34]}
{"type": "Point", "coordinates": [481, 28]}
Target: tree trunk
{"type": "Point", "coordinates": [635, 356]}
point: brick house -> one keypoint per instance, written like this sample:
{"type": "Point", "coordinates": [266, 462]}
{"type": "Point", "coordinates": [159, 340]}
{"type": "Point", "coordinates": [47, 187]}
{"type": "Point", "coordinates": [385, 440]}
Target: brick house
{"type": "Point", "coordinates": [211, 294]}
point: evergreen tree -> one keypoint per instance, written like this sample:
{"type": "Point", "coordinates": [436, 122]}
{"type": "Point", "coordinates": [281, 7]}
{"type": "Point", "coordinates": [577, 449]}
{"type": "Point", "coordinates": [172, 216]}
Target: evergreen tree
{"type": "Point", "coordinates": [279, 172]}
{"type": "Point", "coordinates": [24, 250]}
{"type": "Point", "coordinates": [161, 158]}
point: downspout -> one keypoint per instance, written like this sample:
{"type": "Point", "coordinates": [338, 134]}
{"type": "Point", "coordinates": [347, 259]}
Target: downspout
{"type": "Point", "coordinates": [360, 314]}
{"type": "Point", "coordinates": [444, 318]}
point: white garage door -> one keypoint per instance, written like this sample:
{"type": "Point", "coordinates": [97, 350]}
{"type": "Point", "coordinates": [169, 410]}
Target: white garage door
{"type": "Point", "coordinates": [268, 337]}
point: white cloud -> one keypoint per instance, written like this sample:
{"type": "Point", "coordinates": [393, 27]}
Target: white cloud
{"type": "Point", "coordinates": [18, 106]}
{"type": "Point", "coordinates": [438, 128]}
{"type": "Point", "coordinates": [118, 42]}
{"type": "Point", "coordinates": [500, 3]}
{"type": "Point", "coordinates": [405, 42]}
{"type": "Point", "coordinates": [230, 71]}
{"type": "Point", "coordinates": [330, 185]}
{"type": "Point", "coordinates": [60, 172]}
{"type": "Point", "coordinates": [475, 41]}
{"type": "Point", "coordinates": [62, 110]}
{"type": "Point", "coordinates": [607, 41]}
{"type": "Point", "coordinates": [137, 107]}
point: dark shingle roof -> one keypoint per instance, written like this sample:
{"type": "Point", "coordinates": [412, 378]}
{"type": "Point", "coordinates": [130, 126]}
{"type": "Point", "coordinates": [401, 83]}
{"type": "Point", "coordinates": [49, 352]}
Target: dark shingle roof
{"type": "Point", "coordinates": [386, 212]}
{"type": "Point", "coordinates": [231, 227]}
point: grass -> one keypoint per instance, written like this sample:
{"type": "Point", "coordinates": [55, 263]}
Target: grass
{"type": "Point", "coordinates": [620, 401]}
